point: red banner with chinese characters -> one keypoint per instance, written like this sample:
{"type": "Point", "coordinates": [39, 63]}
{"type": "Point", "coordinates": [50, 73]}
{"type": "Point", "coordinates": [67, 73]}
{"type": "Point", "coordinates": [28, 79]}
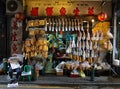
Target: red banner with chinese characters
{"type": "Point", "coordinates": [91, 11]}
{"type": "Point", "coordinates": [76, 11]}
{"type": "Point", "coordinates": [49, 11]}
{"type": "Point", "coordinates": [65, 8]}
{"type": "Point", "coordinates": [62, 11]}
{"type": "Point", "coordinates": [16, 36]}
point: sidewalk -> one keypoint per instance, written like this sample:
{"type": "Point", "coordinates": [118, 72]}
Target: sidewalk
{"type": "Point", "coordinates": [65, 80]}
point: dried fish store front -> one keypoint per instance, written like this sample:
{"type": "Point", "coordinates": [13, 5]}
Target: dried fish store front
{"type": "Point", "coordinates": [79, 29]}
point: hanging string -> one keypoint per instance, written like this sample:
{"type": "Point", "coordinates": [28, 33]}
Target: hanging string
{"type": "Point", "coordinates": [102, 4]}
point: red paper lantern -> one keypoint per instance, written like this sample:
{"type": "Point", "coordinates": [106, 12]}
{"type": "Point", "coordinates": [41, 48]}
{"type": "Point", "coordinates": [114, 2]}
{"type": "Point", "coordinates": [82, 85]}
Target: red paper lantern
{"type": "Point", "coordinates": [17, 16]}
{"type": "Point", "coordinates": [102, 16]}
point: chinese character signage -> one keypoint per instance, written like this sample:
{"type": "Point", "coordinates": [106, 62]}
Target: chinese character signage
{"type": "Point", "coordinates": [64, 7]}
{"type": "Point", "coordinates": [16, 36]}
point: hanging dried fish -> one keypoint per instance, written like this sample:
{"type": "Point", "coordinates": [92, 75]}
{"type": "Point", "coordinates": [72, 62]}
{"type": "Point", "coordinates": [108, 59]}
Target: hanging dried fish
{"type": "Point", "coordinates": [69, 22]}
{"type": "Point", "coordinates": [73, 43]}
{"type": "Point", "coordinates": [49, 24]}
{"type": "Point", "coordinates": [77, 44]}
{"type": "Point", "coordinates": [82, 29]}
{"type": "Point", "coordinates": [72, 24]}
{"type": "Point", "coordinates": [56, 25]}
{"type": "Point", "coordinates": [87, 25]}
{"type": "Point", "coordinates": [46, 23]}
{"type": "Point", "coordinates": [53, 23]}
{"type": "Point", "coordinates": [80, 53]}
{"type": "Point", "coordinates": [92, 54]}
{"type": "Point", "coordinates": [32, 41]}
{"type": "Point", "coordinates": [66, 25]}
{"type": "Point", "coordinates": [101, 35]}
{"type": "Point", "coordinates": [95, 45]}
{"type": "Point", "coordinates": [27, 42]}
{"type": "Point", "coordinates": [69, 49]}
{"type": "Point", "coordinates": [91, 45]}
{"type": "Point", "coordinates": [93, 36]}
{"type": "Point", "coordinates": [59, 21]}
{"type": "Point", "coordinates": [97, 36]}
{"type": "Point", "coordinates": [75, 25]}
{"type": "Point", "coordinates": [83, 35]}
{"type": "Point", "coordinates": [35, 53]}
{"type": "Point", "coordinates": [44, 48]}
{"type": "Point", "coordinates": [88, 35]}
{"type": "Point", "coordinates": [87, 53]}
{"type": "Point", "coordinates": [32, 48]}
{"type": "Point", "coordinates": [77, 55]}
{"type": "Point", "coordinates": [80, 45]}
{"type": "Point", "coordinates": [63, 24]}
{"type": "Point", "coordinates": [78, 25]}
{"type": "Point", "coordinates": [84, 55]}
{"type": "Point", "coordinates": [87, 45]}
{"type": "Point", "coordinates": [83, 44]}
{"type": "Point", "coordinates": [80, 36]}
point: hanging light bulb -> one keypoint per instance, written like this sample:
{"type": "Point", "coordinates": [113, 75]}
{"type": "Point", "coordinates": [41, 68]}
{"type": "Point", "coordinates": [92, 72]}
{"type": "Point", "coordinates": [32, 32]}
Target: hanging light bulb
{"type": "Point", "coordinates": [102, 16]}
{"type": "Point", "coordinates": [93, 20]}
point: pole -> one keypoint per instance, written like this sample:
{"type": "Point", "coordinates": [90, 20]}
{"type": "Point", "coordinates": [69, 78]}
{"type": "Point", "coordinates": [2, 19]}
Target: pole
{"type": "Point", "coordinates": [114, 38]}
{"type": "Point", "coordinates": [92, 73]}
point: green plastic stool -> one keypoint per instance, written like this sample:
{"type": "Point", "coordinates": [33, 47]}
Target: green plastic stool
{"type": "Point", "coordinates": [27, 72]}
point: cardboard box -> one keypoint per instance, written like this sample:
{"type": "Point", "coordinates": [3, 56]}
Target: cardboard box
{"type": "Point", "coordinates": [73, 75]}
{"type": "Point", "coordinates": [59, 72]}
